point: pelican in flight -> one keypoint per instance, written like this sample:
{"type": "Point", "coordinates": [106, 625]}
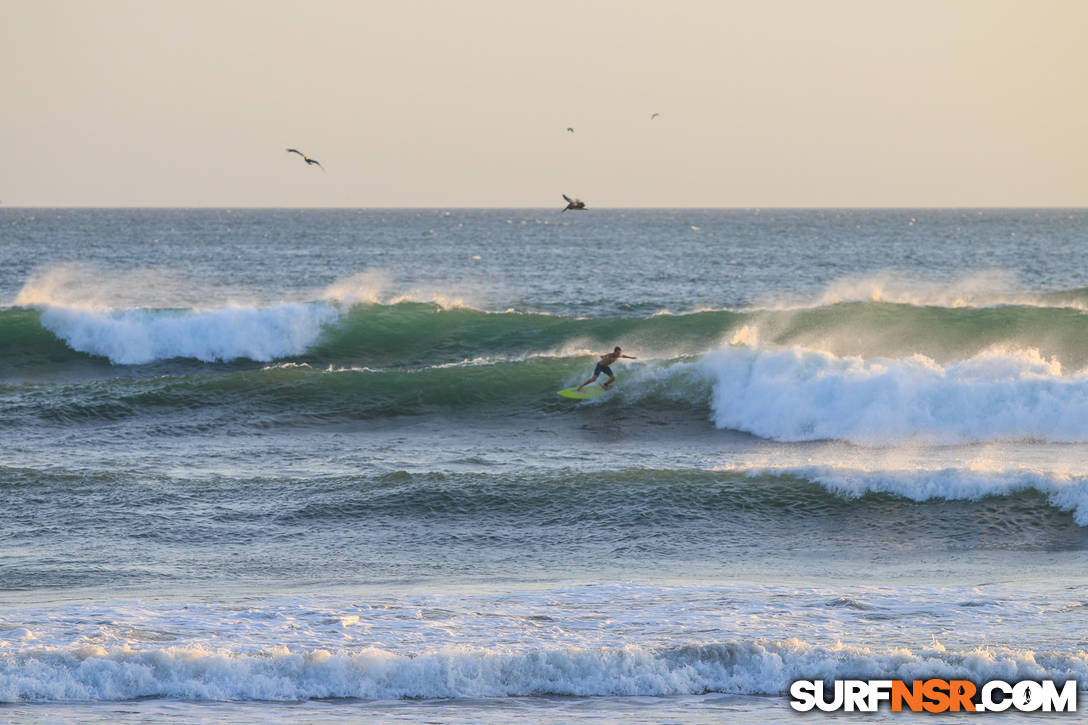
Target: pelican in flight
{"type": "Point", "coordinates": [654, 116]}
{"type": "Point", "coordinates": [575, 204]}
{"type": "Point", "coordinates": [307, 159]}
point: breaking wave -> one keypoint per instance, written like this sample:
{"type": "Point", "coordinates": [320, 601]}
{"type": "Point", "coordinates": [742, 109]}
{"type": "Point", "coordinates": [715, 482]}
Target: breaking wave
{"type": "Point", "coordinates": [757, 667]}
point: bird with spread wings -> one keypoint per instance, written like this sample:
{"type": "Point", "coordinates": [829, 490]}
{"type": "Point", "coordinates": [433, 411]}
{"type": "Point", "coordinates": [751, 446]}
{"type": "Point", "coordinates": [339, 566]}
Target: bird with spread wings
{"type": "Point", "coordinates": [574, 204]}
{"type": "Point", "coordinates": [307, 159]}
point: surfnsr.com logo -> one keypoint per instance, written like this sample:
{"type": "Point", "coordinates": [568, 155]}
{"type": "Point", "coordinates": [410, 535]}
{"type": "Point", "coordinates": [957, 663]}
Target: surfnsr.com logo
{"type": "Point", "coordinates": [934, 695]}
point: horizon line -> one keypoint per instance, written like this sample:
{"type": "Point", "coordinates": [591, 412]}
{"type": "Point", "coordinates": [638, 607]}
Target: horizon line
{"type": "Point", "coordinates": [731, 207]}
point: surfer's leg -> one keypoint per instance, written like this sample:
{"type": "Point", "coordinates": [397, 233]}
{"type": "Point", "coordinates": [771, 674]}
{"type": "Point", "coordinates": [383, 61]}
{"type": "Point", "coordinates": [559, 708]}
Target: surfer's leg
{"type": "Point", "coordinates": [586, 383]}
{"type": "Point", "coordinates": [611, 380]}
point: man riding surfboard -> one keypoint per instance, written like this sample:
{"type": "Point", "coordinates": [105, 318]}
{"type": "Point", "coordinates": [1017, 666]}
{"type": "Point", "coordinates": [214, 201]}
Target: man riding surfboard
{"type": "Point", "coordinates": [602, 367]}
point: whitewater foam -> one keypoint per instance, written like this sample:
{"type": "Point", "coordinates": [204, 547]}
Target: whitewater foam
{"type": "Point", "coordinates": [133, 337]}
{"type": "Point", "coordinates": [133, 316]}
{"type": "Point", "coordinates": [754, 667]}
{"type": "Point", "coordinates": [797, 394]}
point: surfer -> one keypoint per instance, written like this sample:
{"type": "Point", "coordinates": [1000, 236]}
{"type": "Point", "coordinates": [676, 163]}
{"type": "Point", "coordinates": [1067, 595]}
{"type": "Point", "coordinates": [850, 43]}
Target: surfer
{"type": "Point", "coordinates": [602, 367]}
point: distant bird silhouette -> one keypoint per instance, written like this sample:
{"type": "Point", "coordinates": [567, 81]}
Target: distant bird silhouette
{"type": "Point", "coordinates": [307, 159]}
{"type": "Point", "coordinates": [575, 204]}
{"type": "Point", "coordinates": [570, 130]}
{"type": "Point", "coordinates": [654, 116]}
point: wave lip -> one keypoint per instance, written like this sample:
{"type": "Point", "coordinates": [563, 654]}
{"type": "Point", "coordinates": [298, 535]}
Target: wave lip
{"type": "Point", "coordinates": [757, 667]}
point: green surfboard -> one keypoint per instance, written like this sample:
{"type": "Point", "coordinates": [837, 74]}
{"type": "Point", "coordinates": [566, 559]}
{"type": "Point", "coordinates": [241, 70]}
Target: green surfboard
{"type": "Point", "coordinates": [590, 391]}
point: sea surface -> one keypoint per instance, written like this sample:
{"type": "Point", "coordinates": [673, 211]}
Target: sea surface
{"type": "Point", "coordinates": [310, 465]}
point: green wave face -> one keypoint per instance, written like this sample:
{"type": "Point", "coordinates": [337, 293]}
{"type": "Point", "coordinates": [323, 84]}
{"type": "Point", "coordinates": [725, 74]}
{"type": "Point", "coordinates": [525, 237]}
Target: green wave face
{"type": "Point", "coordinates": [413, 334]}
{"type": "Point", "coordinates": [24, 342]}
{"type": "Point", "coordinates": [301, 393]}
{"type": "Point", "coordinates": [417, 334]}
{"type": "Point", "coordinates": [732, 508]}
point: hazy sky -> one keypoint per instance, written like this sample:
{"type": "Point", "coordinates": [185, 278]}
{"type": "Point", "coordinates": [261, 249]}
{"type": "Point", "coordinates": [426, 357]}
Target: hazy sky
{"type": "Point", "coordinates": [466, 103]}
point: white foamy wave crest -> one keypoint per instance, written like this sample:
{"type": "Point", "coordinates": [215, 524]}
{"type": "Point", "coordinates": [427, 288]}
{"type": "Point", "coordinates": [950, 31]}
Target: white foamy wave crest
{"type": "Point", "coordinates": [133, 337]}
{"type": "Point", "coordinates": [759, 667]}
{"type": "Point", "coordinates": [805, 395]}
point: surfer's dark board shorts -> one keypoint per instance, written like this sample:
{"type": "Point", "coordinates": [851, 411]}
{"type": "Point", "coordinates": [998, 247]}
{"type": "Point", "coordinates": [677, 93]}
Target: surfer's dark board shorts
{"type": "Point", "coordinates": [603, 369]}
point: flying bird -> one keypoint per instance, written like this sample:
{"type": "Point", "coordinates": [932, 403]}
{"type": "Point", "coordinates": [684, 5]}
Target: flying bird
{"type": "Point", "coordinates": [575, 204]}
{"type": "Point", "coordinates": [307, 159]}
{"type": "Point", "coordinates": [654, 116]}
{"type": "Point", "coordinates": [570, 130]}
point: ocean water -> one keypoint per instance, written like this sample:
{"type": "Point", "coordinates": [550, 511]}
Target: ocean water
{"type": "Point", "coordinates": [310, 464]}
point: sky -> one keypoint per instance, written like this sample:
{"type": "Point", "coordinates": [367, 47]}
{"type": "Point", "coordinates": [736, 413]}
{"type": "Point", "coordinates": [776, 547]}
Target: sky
{"type": "Point", "coordinates": [414, 103]}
